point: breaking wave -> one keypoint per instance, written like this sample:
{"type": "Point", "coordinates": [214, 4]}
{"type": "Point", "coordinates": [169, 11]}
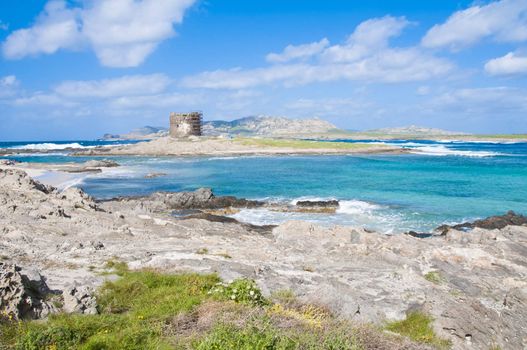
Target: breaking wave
{"type": "Point", "coordinates": [440, 150]}
{"type": "Point", "coordinates": [51, 146]}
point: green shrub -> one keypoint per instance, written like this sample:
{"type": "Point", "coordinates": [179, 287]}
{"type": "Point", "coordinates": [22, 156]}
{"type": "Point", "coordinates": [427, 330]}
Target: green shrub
{"type": "Point", "coordinates": [418, 327]}
{"type": "Point", "coordinates": [434, 277]}
{"type": "Point", "coordinates": [242, 290]}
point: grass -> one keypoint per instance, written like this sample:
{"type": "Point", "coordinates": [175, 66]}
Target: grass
{"type": "Point", "coordinates": [147, 309]}
{"type": "Point", "coordinates": [301, 144]}
{"type": "Point", "coordinates": [434, 277]}
{"type": "Point", "coordinates": [418, 327]}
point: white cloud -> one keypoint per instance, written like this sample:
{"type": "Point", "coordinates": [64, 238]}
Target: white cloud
{"type": "Point", "coordinates": [55, 28]}
{"type": "Point", "coordinates": [365, 56]}
{"type": "Point", "coordinates": [8, 81]}
{"type": "Point", "coordinates": [123, 86]}
{"type": "Point", "coordinates": [369, 37]}
{"type": "Point", "coordinates": [8, 86]}
{"type": "Point", "coordinates": [155, 101]}
{"type": "Point", "coordinates": [509, 64]}
{"type": "Point", "coordinates": [292, 52]}
{"type": "Point", "coordinates": [123, 33]}
{"type": "Point", "coordinates": [491, 101]}
{"type": "Point", "coordinates": [42, 99]}
{"type": "Point", "coordinates": [503, 21]}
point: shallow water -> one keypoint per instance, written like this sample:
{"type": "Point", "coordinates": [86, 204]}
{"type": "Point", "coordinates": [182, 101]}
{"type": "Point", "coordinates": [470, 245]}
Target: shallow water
{"type": "Point", "coordinates": [451, 182]}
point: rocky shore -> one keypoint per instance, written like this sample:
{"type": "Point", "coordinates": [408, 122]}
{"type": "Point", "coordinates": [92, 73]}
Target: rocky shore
{"type": "Point", "coordinates": [472, 278]}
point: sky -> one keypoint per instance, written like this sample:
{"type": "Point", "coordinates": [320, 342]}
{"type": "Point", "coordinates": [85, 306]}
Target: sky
{"type": "Point", "coordinates": [80, 68]}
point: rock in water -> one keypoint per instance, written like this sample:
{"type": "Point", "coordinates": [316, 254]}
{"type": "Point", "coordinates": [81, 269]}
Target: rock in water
{"type": "Point", "coordinates": [490, 223]}
{"type": "Point", "coordinates": [23, 296]}
{"type": "Point", "coordinates": [321, 204]}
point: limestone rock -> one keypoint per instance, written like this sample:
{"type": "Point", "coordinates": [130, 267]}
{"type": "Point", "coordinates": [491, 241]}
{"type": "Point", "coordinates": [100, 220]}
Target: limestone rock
{"type": "Point", "coordinates": [23, 295]}
{"type": "Point", "coordinates": [79, 299]}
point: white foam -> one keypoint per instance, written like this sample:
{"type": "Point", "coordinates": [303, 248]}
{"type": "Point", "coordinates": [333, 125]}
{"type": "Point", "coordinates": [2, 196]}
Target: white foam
{"type": "Point", "coordinates": [356, 207]}
{"type": "Point", "coordinates": [441, 150]}
{"type": "Point", "coordinates": [350, 213]}
{"type": "Point", "coordinates": [52, 146]}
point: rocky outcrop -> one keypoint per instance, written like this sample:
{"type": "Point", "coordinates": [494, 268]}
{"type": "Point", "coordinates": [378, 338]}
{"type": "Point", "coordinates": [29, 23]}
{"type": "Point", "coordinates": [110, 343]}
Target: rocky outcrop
{"type": "Point", "coordinates": [202, 198]}
{"type": "Point", "coordinates": [23, 295]}
{"type": "Point", "coordinates": [490, 223]}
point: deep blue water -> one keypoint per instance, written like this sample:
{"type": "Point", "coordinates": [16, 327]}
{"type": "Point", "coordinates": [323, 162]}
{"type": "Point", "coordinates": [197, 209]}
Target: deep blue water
{"type": "Point", "coordinates": [451, 182]}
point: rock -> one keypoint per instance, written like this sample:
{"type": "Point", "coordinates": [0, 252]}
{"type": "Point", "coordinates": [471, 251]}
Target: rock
{"type": "Point", "coordinates": [490, 223]}
{"type": "Point", "coordinates": [8, 162]}
{"type": "Point", "coordinates": [320, 204]}
{"type": "Point", "coordinates": [104, 163]}
{"type": "Point", "coordinates": [202, 198]}
{"type": "Point", "coordinates": [23, 295]}
{"type": "Point", "coordinates": [80, 300]}
{"type": "Point", "coordinates": [154, 175]}
{"type": "Point", "coordinates": [18, 178]}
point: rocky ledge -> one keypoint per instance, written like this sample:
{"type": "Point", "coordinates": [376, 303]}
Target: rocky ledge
{"type": "Point", "coordinates": [472, 282]}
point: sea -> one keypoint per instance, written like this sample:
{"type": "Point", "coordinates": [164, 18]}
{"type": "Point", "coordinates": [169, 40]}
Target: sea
{"type": "Point", "coordinates": [438, 182]}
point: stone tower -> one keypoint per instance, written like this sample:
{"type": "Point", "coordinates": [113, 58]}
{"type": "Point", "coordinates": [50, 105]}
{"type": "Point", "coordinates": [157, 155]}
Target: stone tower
{"type": "Point", "coordinates": [185, 124]}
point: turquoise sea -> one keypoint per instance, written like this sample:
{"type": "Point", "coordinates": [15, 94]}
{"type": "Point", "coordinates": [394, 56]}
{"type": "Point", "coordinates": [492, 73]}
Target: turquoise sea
{"type": "Point", "coordinates": [442, 182]}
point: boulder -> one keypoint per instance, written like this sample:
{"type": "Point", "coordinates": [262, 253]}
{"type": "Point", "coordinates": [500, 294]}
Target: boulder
{"type": "Point", "coordinates": [318, 204]}
{"type": "Point", "coordinates": [202, 198]}
{"type": "Point", "coordinates": [80, 300]}
{"type": "Point", "coordinates": [24, 295]}
{"type": "Point", "coordinates": [490, 223]}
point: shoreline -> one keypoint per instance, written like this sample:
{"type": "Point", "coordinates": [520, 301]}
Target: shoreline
{"type": "Point", "coordinates": [69, 238]}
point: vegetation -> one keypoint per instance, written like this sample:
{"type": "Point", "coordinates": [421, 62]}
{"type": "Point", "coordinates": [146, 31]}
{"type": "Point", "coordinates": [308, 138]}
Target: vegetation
{"type": "Point", "coordinates": [434, 277]}
{"type": "Point", "coordinates": [150, 310]}
{"type": "Point", "coordinates": [304, 144]}
{"type": "Point", "coordinates": [418, 327]}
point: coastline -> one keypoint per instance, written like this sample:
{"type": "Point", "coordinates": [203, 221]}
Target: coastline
{"type": "Point", "coordinates": [217, 147]}
{"type": "Point", "coordinates": [69, 238]}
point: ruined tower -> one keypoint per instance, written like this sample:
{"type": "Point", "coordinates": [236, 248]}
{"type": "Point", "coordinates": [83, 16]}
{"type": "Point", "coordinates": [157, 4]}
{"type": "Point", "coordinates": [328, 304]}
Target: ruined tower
{"type": "Point", "coordinates": [185, 124]}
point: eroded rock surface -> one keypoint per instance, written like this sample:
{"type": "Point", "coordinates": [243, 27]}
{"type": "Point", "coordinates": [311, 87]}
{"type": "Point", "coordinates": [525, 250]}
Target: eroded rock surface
{"type": "Point", "coordinates": [23, 295]}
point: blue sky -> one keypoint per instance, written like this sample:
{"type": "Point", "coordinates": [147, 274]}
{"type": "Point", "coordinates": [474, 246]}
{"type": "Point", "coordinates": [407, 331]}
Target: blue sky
{"type": "Point", "coordinates": [78, 69]}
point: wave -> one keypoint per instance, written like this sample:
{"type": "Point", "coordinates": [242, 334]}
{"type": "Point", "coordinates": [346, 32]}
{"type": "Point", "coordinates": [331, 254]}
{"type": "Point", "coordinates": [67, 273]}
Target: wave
{"type": "Point", "coordinates": [441, 150]}
{"type": "Point", "coordinates": [479, 141]}
{"type": "Point", "coordinates": [356, 207]}
{"type": "Point", "coordinates": [51, 146]}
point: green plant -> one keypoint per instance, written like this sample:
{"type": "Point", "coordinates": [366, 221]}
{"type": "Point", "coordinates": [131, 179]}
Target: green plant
{"type": "Point", "coordinates": [418, 326]}
{"type": "Point", "coordinates": [434, 277]}
{"type": "Point", "coordinates": [241, 291]}
{"type": "Point", "coordinates": [202, 251]}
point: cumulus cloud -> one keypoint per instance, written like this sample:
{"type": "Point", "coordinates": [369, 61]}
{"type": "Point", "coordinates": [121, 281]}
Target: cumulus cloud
{"type": "Point", "coordinates": [124, 86]}
{"type": "Point", "coordinates": [123, 33]}
{"type": "Point", "coordinates": [55, 28]}
{"type": "Point", "coordinates": [503, 21]}
{"type": "Point", "coordinates": [292, 52]}
{"type": "Point", "coordinates": [366, 56]}
{"type": "Point", "coordinates": [510, 64]}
